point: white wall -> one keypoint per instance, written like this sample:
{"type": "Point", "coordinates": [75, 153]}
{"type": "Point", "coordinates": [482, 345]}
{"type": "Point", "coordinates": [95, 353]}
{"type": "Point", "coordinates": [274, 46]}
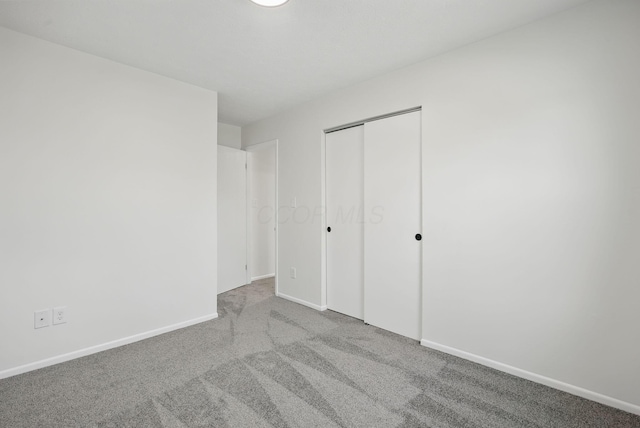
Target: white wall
{"type": "Point", "coordinates": [229, 135]}
{"type": "Point", "coordinates": [531, 195]}
{"type": "Point", "coordinates": [107, 201]}
{"type": "Point", "coordinates": [262, 188]}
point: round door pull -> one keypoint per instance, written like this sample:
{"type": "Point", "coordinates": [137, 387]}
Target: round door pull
{"type": "Point", "coordinates": [418, 237]}
{"type": "Point", "coordinates": [328, 229]}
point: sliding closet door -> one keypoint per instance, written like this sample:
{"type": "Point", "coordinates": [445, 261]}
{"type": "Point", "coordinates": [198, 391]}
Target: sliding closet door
{"type": "Point", "coordinates": [232, 218]}
{"type": "Point", "coordinates": [392, 176]}
{"type": "Point", "coordinates": [344, 204]}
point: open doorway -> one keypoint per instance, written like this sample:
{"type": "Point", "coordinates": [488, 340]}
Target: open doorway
{"type": "Point", "coordinates": [262, 215]}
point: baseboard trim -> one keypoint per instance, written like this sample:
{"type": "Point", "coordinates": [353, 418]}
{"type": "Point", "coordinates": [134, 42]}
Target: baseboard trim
{"type": "Point", "coordinates": [302, 302]}
{"type": "Point", "coordinates": [102, 347]}
{"type": "Point", "coordinates": [259, 277]}
{"type": "Point", "coordinates": [553, 383]}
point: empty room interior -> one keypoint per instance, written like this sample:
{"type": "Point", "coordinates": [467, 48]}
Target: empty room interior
{"type": "Point", "coordinates": [358, 213]}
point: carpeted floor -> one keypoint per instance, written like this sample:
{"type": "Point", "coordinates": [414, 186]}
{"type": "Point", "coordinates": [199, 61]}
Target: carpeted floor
{"type": "Point", "coordinates": [269, 362]}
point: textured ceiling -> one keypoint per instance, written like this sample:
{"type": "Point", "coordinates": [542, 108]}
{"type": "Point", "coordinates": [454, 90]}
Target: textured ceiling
{"type": "Point", "coordinates": [266, 60]}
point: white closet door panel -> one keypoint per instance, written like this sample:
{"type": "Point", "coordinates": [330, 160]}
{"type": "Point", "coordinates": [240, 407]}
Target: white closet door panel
{"type": "Point", "coordinates": [344, 198]}
{"type": "Point", "coordinates": [232, 218]}
{"type": "Point", "coordinates": [392, 171]}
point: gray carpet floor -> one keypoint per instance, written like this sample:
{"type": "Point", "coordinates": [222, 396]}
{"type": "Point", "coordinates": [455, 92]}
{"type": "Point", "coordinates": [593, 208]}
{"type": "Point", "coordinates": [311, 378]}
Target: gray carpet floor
{"type": "Point", "coordinates": [270, 362]}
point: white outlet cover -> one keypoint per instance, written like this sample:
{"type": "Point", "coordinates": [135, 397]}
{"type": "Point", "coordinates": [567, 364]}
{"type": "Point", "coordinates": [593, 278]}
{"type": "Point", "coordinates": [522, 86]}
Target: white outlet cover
{"type": "Point", "coordinates": [42, 318]}
{"type": "Point", "coordinates": [292, 273]}
{"type": "Point", "coordinates": [59, 315]}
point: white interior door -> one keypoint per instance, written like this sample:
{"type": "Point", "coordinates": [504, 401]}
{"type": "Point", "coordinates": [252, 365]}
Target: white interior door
{"type": "Point", "coordinates": [392, 198]}
{"type": "Point", "coordinates": [261, 176]}
{"type": "Point", "coordinates": [344, 205]}
{"type": "Point", "coordinates": [232, 218]}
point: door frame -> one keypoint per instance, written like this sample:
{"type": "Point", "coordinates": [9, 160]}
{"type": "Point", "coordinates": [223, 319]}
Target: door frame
{"type": "Point", "coordinates": [323, 195]}
{"type": "Point", "coordinates": [254, 148]}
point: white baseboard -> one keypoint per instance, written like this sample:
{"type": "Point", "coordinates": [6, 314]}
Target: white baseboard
{"type": "Point", "coordinates": [553, 383]}
{"type": "Point", "coordinates": [102, 347]}
{"type": "Point", "coordinates": [302, 302]}
{"type": "Point", "coordinates": [256, 278]}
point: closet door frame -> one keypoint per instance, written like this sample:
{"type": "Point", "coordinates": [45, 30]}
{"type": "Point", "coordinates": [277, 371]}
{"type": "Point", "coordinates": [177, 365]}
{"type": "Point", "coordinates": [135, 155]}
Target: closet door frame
{"type": "Point", "coordinates": [323, 241]}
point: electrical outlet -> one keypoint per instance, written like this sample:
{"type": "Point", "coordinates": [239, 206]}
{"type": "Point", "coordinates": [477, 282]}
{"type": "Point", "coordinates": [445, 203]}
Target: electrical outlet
{"type": "Point", "coordinates": [59, 315]}
{"type": "Point", "coordinates": [42, 318]}
{"type": "Point", "coordinates": [292, 272]}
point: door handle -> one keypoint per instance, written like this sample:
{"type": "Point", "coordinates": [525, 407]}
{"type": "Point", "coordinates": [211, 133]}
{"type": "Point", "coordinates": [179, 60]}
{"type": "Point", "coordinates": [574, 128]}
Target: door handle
{"type": "Point", "coordinates": [418, 237]}
{"type": "Point", "coordinates": [329, 229]}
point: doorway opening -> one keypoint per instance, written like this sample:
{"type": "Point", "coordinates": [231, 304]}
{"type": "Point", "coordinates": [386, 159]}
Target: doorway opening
{"type": "Point", "coordinates": [262, 212]}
